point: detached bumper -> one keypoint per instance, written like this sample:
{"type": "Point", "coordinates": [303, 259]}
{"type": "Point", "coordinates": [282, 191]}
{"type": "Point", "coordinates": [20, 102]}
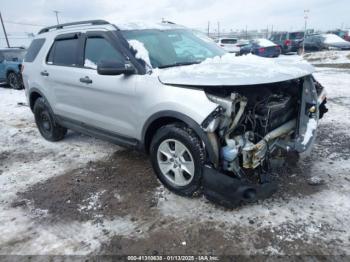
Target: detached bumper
{"type": "Point", "coordinates": [231, 192]}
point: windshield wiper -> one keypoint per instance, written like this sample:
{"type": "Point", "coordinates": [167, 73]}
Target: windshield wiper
{"type": "Point", "coordinates": [180, 64]}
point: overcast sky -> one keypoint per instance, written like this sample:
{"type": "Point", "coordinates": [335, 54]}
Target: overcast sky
{"type": "Point", "coordinates": [232, 14]}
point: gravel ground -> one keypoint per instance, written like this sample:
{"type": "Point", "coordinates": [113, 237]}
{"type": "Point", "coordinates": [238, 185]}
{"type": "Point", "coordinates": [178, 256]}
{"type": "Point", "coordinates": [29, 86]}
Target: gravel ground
{"type": "Point", "coordinates": [85, 196]}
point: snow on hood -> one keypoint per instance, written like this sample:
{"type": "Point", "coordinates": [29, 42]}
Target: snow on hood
{"type": "Point", "coordinates": [230, 70]}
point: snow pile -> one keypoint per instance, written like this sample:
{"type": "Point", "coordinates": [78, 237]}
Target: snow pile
{"type": "Point", "coordinates": [141, 51]}
{"type": "Point", "coordinates": [242, 70]}
{"type": "Point", "coordinates": [90, 64]}
{"type": "Point", "coordinates": [328, 57]}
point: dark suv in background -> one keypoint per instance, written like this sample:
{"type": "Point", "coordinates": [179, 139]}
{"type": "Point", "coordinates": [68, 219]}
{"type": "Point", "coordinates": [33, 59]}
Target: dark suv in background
{"type": "Point", "coordinates": [288, 41]}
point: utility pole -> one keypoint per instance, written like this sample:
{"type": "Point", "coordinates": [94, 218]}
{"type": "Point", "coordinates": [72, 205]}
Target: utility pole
{"type": "Point", "coordinates": [208, 28]}
{"type": "Point", "coordinates": [56, 12]}
{"type": "Point", "coordinates": [3, 27]}
{"type": "Point", "coordinates": [218, 29]}
{"type": "Point", "coordinates": [306, 16]}
{"type": "Point", "coordinates": [267, 31]}
{"type": "Point", "coordinates": [246, 32]}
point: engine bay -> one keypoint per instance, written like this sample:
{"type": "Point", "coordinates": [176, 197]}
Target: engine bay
{"type": "Point", "coordinates": [251, 123]}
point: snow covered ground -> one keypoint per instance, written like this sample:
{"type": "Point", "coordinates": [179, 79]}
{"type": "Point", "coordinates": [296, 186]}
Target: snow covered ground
{"type": "Point", "coordinates": [86, 196]}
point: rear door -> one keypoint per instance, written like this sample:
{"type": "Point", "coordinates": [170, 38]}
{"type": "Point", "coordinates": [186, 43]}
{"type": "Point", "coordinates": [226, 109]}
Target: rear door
{"type": "Point", "coordinates": [81, 94]}
{"type": "Point", "coordinates": [60, 73]}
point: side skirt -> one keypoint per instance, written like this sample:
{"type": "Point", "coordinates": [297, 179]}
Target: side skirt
{"type": "Point", "coordinates": [83, 128]}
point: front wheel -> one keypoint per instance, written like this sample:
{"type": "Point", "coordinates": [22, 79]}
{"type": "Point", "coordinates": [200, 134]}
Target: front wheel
{"type": "Point", "coordinates": [14, 81]}
{"type": "Point", "coordinates": [177, 157]}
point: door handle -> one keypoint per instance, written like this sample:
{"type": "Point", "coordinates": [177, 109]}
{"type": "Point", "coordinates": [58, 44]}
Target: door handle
{"type": "Point", "coordinates": [86, 80]}
{"type": "Point", "coordinates": [44, 73]}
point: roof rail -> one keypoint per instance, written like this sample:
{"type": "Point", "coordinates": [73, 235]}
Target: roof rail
{"type": "Point", "coordinates": [60, 26]}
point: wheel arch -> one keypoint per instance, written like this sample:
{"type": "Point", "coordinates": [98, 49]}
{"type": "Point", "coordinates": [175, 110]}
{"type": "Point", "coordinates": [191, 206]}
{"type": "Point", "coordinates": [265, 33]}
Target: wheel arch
{"type": "Point", "coordinates": [167, 117]}
{"type": "Point", "coordinates": [9, 71]}
{"type": "Point", "coordinates": [33, 96]}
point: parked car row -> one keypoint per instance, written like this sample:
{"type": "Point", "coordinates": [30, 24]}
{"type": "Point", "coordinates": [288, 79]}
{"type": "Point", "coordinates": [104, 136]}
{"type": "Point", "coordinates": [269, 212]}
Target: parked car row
{"type": "Point", "coordinates": [10, 67]}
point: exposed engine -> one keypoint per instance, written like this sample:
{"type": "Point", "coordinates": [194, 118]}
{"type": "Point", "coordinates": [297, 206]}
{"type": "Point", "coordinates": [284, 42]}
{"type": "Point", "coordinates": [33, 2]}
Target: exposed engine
{"type": "Point", "coordinates": [252, 122]}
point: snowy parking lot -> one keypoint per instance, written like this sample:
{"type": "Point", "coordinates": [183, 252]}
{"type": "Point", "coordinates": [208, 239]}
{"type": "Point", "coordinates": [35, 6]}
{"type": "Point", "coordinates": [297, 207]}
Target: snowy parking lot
{"type": "Point", "coordinates": [85, 196]}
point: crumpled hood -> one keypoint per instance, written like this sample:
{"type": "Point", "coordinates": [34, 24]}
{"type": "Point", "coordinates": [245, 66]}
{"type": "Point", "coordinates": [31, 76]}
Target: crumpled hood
{"type": "Point", "coordinates": [230, 70]}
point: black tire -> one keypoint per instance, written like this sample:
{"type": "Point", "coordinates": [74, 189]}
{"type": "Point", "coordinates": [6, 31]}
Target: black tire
{"type": "Point", "coordinates": [46, 123]}
{"type": "Point", "coordinates": [14, 81]}
{"type": "Point", "coordinates": [188, 138]}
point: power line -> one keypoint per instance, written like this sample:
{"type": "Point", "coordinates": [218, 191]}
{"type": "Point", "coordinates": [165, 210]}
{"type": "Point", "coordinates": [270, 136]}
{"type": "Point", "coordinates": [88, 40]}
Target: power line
{"type": "Point", "coordinates": [15, 37]}
{"type": "Point", "coordinates": [22, 23]}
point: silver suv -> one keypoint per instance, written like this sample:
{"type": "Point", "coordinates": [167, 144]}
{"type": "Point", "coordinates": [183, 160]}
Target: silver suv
{"type": "Point", "coordinates": [210, 121]}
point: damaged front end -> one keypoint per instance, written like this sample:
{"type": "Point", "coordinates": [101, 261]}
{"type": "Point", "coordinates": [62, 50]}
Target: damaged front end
{"type": "Point", "coordinates": [252, 126]}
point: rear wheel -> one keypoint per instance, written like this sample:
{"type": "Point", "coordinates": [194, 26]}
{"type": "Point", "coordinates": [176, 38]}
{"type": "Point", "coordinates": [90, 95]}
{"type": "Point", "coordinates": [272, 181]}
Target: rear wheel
{"type": "Point", "coordinates": [46, 123]}
{"type": "Point", "coordinates": [177, 158]}
{"type": "Point", "coordinates": [14, 81]}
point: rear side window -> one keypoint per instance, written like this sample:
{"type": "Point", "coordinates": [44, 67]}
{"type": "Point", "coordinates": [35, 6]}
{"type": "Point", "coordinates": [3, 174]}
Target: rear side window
{"type": "Point", "coordinates": [283, 36]}
{"type": "Point", "coordinates": [296, 35]}
{"type": "Point", "coordinates": [34, 49]}
{"type": "Point", "coordinates": [64, 52]}
{"type": "Point", "coordinates": [98, 49]}
{"type": "Point", "coordinates": [229, 41]}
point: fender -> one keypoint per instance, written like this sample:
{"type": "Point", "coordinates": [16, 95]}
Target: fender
{"type": "Point", "coordinates": [31, 91]}
{"type": "Point", "coordinates": [187, 120]}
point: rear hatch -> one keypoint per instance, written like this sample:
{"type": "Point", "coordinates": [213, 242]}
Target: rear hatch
{"type": "Point", "coordinates": [271, 51]}
{"type": "Point", "coordinates": [296, 38]}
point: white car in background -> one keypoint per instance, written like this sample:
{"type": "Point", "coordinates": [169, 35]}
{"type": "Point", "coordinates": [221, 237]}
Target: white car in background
{"type": "Point", "coordinates": [228, 44]}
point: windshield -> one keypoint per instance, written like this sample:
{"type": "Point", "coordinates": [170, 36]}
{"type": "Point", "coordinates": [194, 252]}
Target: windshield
{"type": "Point", "coordinates": [14, 55]}
{"type": "Point", "coordinates": [174, 47]}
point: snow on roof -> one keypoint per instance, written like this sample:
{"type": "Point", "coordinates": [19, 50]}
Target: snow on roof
{"type": "Point", "coordinates": [148, 25]}
{"type": "Point", "coordinates": [264, 42]}
{"type": "Point", "coordinates": [332, 38]}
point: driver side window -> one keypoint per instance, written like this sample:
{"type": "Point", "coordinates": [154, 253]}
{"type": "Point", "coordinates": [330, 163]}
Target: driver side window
{"type": "Point", "coordinates": [98, 49]}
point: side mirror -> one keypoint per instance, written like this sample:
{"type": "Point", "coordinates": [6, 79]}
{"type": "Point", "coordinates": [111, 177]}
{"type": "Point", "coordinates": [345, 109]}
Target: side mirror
{"type": "Point", "coordinates": [115, 68]}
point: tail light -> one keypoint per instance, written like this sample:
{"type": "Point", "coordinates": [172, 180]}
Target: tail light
{"type": "Point", "coordinates": [287, 42]}
{"type": "Point", "coordinates": [261, 50]}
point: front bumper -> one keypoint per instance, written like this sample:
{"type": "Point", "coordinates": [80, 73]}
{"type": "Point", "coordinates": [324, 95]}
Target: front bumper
{"type": "Point", "coordinates": [231, 192]}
